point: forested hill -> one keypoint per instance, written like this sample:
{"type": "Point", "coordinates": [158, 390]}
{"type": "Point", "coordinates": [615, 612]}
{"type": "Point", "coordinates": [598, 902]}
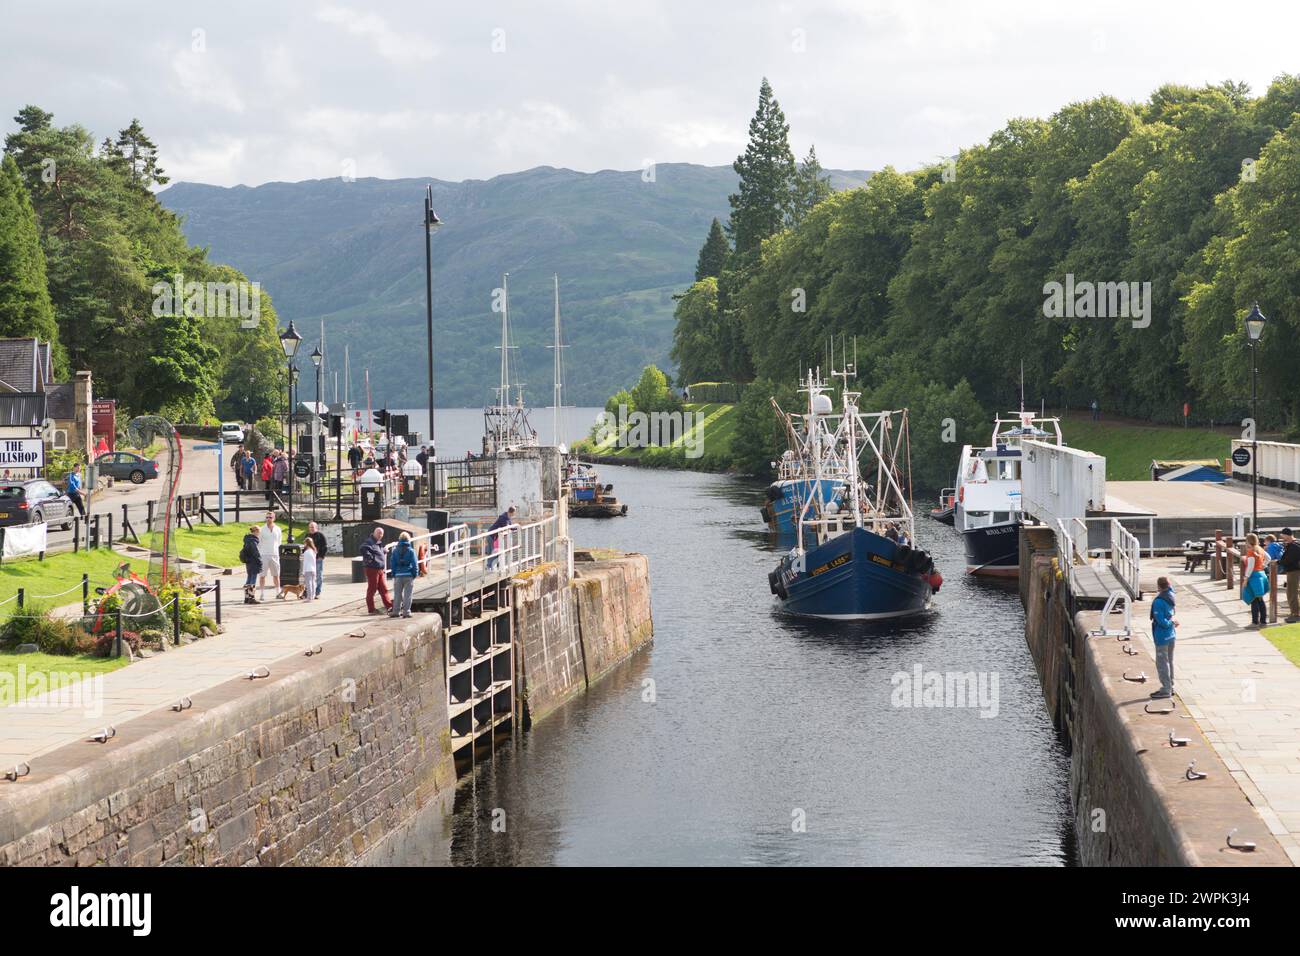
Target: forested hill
{"type": "Point", "coordinates": [353, 253]}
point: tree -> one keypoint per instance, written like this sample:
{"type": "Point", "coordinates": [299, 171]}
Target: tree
{"type": "Point", "coordinates": [25, 308]}
{"type": "Point", "coordinates": [713, 254]}
{"type": "Point", "coordinates": [695, 335]}
{"type": "Point", "coordinates": [140, 156]}
{"type": "Point", "coordinates": [809, 188]}
{"type": "Point", "coordinates": [652, 393]}
{"type": "Point", "coordinates": [178, 378]}
{"type": "Point", "coordinates": [767, 174]}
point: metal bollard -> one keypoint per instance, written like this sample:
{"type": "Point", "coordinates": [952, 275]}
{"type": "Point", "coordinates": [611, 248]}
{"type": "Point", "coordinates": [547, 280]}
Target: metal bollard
{"type": "Point", "coordinates": [85, 593]}
{"type": "Point", "coordinates": [176, 619]}
{"type": "Point", "coordinates": [20, 598]}
{"type": "Point", "coordinates": [119, 632]}
{"type": "Point", "coordinates": [218, 615]}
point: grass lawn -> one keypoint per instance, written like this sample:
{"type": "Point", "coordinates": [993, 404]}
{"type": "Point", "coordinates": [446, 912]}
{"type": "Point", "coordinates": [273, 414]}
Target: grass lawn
{"type": "Point", "coordinates": [59, 572]}
{"type": "Point", "coordinates": [220, 544]}
{"type": "Point", "coordinates": [710, 436]}
{"type": "Point", "coordinates": [45, 665]}
{"type": "Point", "coordinates": [1286, 639]}
{"type": "Point", "coordinates": [1130, 448]}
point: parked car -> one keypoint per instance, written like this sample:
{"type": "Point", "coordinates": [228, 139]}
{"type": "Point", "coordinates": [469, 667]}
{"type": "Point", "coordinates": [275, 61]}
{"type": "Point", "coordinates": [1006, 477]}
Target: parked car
{"type": "Point", "coordinates": [123, 466]}
{"type": "Point", "coordinates": [32, 502]}
{"type": "Point", "coordinates": [232, 432]}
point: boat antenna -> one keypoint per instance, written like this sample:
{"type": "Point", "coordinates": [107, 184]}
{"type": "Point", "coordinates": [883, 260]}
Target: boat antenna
{"type": "Point", "coordinates": [1022, 385]}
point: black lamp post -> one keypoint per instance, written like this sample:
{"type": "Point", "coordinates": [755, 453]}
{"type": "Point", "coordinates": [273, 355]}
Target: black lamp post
{"type": "Point", "coordinates": [1255, 323]}
{"type": "Point", "coordinates": [431, 222]}
{"type": "Point", "coordinates": [289, 340]}
{"type": "Point", "coordinates": [316, 357]}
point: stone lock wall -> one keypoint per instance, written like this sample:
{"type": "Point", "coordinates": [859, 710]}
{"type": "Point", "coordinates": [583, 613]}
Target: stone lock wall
{"type": "Point", "coordinates": [313, 765]}
{"type": "Point", "coordinates": [571, 634]}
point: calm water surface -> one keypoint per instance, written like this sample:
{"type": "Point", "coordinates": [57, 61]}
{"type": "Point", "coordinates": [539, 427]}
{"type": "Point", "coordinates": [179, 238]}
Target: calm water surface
{"type": "Point", "coordinates": [760, 721]}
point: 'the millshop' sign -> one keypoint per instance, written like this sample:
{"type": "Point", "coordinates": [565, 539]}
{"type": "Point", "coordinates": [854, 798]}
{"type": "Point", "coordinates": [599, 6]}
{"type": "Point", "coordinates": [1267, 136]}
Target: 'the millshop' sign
{"type": "Point", "coordinates": [22, 453]}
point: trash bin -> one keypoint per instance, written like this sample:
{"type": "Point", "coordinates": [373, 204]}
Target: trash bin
{"type": "Point", "coordinates": [290, 564]}
{"type": "Point", "coordinates": [410, 489]}
{"type": "Point", "coordinates": [372, 502]}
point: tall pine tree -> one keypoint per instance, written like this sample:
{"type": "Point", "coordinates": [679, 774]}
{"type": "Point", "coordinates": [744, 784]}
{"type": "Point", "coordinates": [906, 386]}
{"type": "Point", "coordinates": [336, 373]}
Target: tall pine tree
{"type": "Point", "coordinates": [767, 174]}
{"type": "Point", "coordinates": [809, 188]}
{"type": "Point", "coordinates": [24, 296]}
{"type": "Point", "coordinates": [713, 255]}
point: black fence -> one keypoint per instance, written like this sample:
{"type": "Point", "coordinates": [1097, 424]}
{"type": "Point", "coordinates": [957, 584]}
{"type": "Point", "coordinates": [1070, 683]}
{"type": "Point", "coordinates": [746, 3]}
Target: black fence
{"type": "Point", "coordinates": [465, 483]}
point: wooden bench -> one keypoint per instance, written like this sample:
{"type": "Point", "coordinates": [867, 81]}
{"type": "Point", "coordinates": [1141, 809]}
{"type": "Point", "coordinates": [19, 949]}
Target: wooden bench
{"type": "Point", "coordinates": [1192, 560]}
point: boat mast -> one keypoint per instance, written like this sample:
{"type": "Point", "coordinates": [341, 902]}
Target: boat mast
{"type": "Point", "coordinates": [559, 367]}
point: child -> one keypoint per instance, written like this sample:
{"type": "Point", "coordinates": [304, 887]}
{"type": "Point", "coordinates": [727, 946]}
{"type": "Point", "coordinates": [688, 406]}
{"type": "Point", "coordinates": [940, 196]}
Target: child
{"type": "Point", "coordinates": [308, 570]}
{"type": "Point", "coordinates": [251, 555]}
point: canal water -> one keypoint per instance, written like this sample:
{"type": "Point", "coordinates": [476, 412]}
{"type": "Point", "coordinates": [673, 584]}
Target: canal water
{"type": "Point", "coordinates": [744, 736]}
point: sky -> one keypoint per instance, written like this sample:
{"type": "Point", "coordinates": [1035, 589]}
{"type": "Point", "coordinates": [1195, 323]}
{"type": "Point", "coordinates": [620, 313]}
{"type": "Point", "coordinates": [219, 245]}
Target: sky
{"type": "Point", "coordinates": [252, 92]}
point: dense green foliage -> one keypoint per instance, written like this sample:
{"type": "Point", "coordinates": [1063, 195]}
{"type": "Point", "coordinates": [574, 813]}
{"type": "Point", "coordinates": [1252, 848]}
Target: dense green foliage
{"type": "Point", "coordinates": [940, 276]}
{"type": "Point", "coordinates": [92, 283]}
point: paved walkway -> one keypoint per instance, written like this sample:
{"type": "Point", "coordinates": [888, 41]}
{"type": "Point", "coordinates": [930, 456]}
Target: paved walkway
{"type": "Point", "coordinates": [253, 636]}
{"type": "Point", "coordinates": [1242, 691]}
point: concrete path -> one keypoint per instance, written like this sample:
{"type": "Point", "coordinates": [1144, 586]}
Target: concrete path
{"type": "Point", "coordinates": [253, 635]}
{"type": "Point", "coordinates": [1243, 693]}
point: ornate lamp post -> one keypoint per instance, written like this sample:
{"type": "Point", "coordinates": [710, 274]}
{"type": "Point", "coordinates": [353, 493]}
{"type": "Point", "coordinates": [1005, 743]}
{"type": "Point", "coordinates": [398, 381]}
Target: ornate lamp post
{"type": "Point", "coordinates": [289, 340]}
{"type": "Point", "coordinates": [316, 357]}
{"type": "Point", "coordinates": [1255, 323]}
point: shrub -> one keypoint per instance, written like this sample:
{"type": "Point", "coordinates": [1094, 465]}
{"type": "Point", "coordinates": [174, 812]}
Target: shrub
{"type": "Point", "coordinates": [37, 625]}
{"type": "Point", "coordinates": [105, 643]}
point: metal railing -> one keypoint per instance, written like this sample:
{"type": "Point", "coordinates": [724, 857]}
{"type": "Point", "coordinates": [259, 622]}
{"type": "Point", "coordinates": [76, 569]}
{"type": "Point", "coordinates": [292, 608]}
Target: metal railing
{"type": "Point", "coordinates": [1065, 552]}
{"type": "Point", "coordinates": [465, 560]}
{"type": "Point", "coordinates": [1125, 557]}
{"type": "Point", "coordinates": [465, 483]}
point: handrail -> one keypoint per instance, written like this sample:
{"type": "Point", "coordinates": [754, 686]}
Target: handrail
{"type": "Point", "coordinates": [514, 548]}
{"type": "Point", "coordinates": [1125, 557]}
{"type": "Point", "coordinates": [1064, 552]}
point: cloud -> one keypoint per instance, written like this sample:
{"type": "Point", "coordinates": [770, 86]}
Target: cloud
{"type": "Point", "coordinates": [204, 82]}
{"type": "Point", "coordinates": [398, 48]}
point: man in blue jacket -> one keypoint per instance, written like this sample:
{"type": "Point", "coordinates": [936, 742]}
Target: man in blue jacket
{"type": "Point", "coordinates": [1164, 628]}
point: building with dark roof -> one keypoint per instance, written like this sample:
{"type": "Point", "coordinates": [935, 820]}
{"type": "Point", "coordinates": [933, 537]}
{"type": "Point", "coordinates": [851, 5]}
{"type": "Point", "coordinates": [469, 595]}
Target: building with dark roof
{"type": "Point", "coordinates": [32, 403]}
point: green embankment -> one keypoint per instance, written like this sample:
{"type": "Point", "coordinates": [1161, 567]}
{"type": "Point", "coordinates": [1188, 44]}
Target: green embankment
{"type": "Point", "coordinates": [704, 446]}
{"type": "Point", "coordinates": [1129, 447]}
{"type": "Point", "coordinates": [31, 672]}
{"type": "Point", "coordinates": [48, 580]}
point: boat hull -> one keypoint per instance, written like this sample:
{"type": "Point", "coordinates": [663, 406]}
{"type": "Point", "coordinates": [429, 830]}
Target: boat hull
{"type": "Point", "coordinates": [993, 550]}
{"type": "Point", "coordinates": [857, 576]}
{"type": "Point", "coordinates": [786, 499]}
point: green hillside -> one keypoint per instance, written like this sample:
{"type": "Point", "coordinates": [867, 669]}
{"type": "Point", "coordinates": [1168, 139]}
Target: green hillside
{"type": "Point", "coordinates": [352, 253]}
{"type": "Point", "coordinates": [713, 425]}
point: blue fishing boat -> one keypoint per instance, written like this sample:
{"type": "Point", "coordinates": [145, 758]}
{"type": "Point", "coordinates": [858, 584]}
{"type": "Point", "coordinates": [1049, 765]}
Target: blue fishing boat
{"type": "Point", "coordinates": [812, 471]}
{"type": "Point", "coordinates": [854, 558]}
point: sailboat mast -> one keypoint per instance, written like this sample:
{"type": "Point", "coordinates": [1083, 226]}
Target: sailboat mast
{"type": "Point", "coordinates": [504, 396]}
{"type": "Point", "coordinates": [555, 426]}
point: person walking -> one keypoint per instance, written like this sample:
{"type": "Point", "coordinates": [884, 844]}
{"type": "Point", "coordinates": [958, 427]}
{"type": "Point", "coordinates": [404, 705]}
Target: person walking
{"type": "Point", "coordinates": [405, 569]}
{"type": "Point", "coordinates": [322, 546]}
{"type": "Point", "coordinates": [280, 472]}
{"type": "Point", "coordinates": [373, 561]}
{"type": "Point", "coordinates": [354, 459]}
{"type": "Point", "coordinates": [308, 569]}
{"type": "Point", "coordinates": [74, 491]}
{"type": "Point", "coordinates": [1096, 411]}
{"type": "Point", "coordinates": [268, 470]}
{"type": "Point", "coordinates": [1164, 629]}
{"type": "Point", "coordinates": [504, 520]}
{"type": "Point", "coordinates": [1254, 582]}
{"type": "Point", "coordinates": [237, 466]}
{"type": "Point", "coordinates": [248, 466]}
{"type": "Point", "coordinates": [251, 555]}
{"type": "Point", "coordinates": [268, 547]}
{"type": "Point", "coordinates": [1290, 564]}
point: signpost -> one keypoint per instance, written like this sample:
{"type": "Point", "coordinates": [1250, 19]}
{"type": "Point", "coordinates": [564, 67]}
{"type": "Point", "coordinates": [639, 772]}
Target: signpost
{"type": "Point", "coordinates": [220, 449]}
{"type": "Point", "coordinates": [1241, 457]}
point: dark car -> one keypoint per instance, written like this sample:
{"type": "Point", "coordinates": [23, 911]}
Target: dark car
{"type": "Point", "coordinates": [32, 502]}
{"type": "Point", "coordinates": [124, 466]}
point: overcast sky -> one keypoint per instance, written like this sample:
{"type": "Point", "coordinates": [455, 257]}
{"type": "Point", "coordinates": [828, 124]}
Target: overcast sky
{"type": "Point", "coordinates": [248, 92]}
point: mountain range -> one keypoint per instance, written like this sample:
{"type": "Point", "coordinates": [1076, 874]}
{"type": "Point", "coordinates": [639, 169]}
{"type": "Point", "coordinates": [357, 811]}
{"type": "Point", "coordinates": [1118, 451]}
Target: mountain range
{"type": "Point", "coordinates": [351, 253]}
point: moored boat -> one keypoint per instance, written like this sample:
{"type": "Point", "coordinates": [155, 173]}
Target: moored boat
{"type": "Point", "coordinates": [854, 558]}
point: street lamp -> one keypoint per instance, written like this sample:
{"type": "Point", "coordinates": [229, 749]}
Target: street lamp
{"type": "Point", "coordinates": [431, 222]}
{"type": "Point", "coordinates": [316, 357]}
{"type": "Point", "coordinates": [1255, 323]}
{"type": "Point", "coordinates": [289, 341]}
